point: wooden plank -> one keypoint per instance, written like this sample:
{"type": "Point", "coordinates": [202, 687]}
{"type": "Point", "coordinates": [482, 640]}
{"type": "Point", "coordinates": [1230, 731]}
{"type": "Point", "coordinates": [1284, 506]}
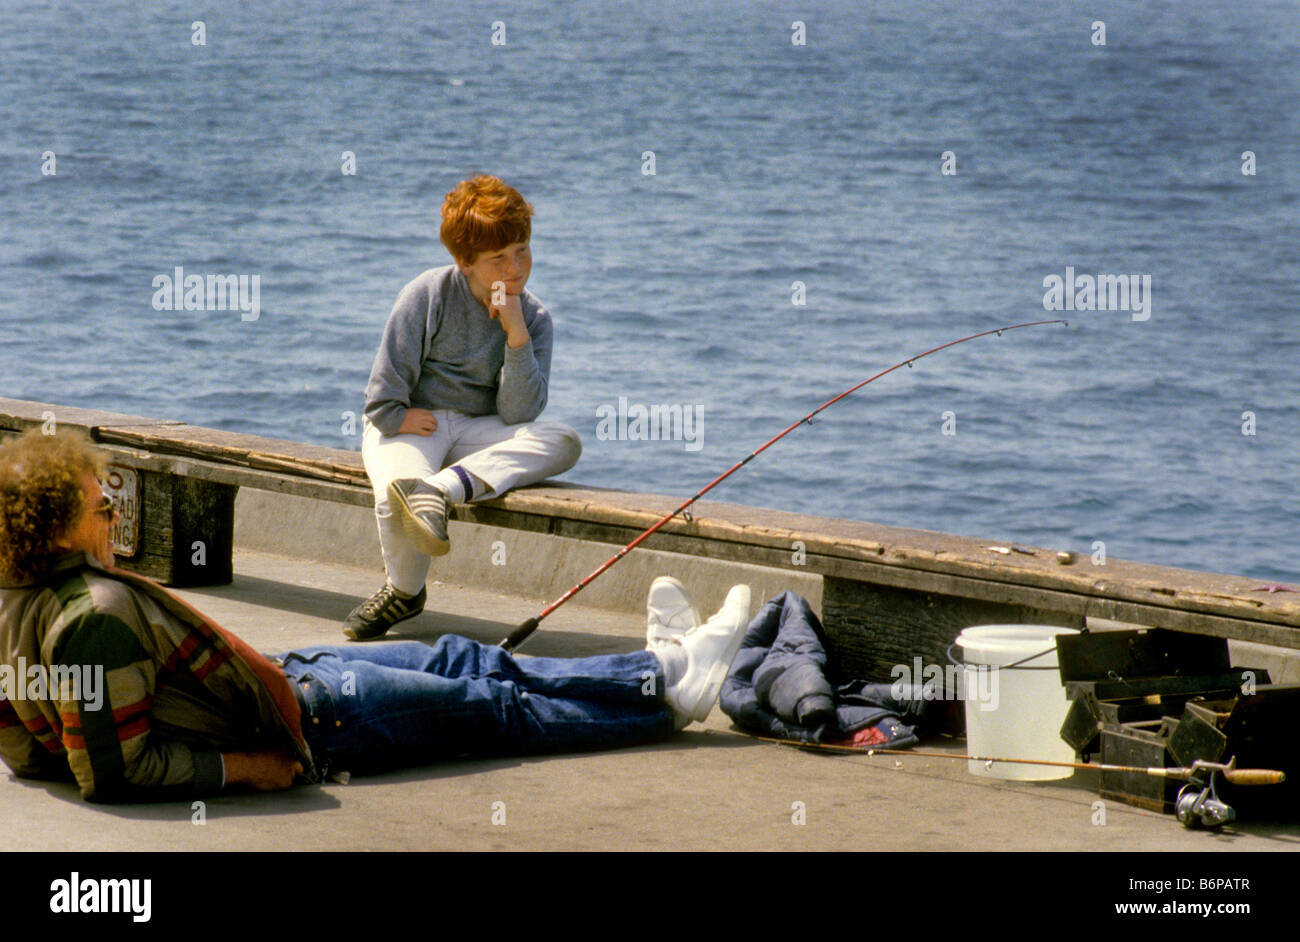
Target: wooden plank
{"type": "Point", "coordinates": [187, 530]}
{"type": "Point", "coordinates": [1080, 604]}
{"type": "Point", "coordinates": [903, 548]}
{"type": "Point", "coordinates": [315, 461]}
{"type": "Point", "coordinates": [1137, 583]}
{"type": "Point", "coordinates": [360, 496]}
{"type": "Point", "coordinates": [177, 438]}
{"type": "Point", "coordinates": [915, 559]}
{"type": "Point", "coordinates": [154, 555]}
{"type": "Point", "coordinates": [21, 414]}
{"type": "Point", "coordinates": [203, 527]}
{"type": "Point", "coordinates": [871, 629]}
{"type": "Point", "coordinates": [856, 540]}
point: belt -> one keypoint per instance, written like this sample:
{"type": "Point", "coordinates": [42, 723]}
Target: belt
{"type": "Point", "coordinates": [317, 715]}
{"type": "Point", "coordinates": [311, 727]}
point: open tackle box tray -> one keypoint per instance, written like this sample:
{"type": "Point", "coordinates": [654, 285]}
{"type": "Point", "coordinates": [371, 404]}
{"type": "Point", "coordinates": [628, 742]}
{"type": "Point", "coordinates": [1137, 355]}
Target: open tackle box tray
{"type": "Point", "coordinates": [1157, 698]}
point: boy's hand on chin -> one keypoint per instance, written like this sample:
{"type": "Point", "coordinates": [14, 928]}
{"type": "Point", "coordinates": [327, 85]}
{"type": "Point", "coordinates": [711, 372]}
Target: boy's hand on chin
{"type": "Point", "coordinates": [511, 317]}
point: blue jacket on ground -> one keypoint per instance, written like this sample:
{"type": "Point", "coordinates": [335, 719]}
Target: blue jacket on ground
{"type": "Point", "coordinates": [779, 685]}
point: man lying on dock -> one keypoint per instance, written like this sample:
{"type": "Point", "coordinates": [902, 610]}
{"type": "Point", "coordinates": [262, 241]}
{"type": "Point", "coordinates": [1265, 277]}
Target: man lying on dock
{"type": "Point", "coordinates": [454, 394]}
{"type": "Point", "coordinates": [110, 679]}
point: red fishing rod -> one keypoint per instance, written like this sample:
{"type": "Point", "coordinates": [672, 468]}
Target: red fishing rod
{"type": "Point", "coordinates": [517, 637]}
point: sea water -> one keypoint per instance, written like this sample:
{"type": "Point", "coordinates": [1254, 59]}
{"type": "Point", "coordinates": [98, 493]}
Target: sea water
{"type": "Point", "coordinates": [742, 209]}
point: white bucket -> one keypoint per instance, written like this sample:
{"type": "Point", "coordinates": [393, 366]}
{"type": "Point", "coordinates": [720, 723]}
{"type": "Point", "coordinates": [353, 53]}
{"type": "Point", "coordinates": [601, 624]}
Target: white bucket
{"type": "Point", "coordinates": [1014, 712]}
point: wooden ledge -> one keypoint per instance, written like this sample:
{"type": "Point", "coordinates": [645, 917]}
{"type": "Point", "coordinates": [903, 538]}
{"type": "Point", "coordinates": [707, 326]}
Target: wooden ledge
{"type": "Point", "coordinates": [920, 560]}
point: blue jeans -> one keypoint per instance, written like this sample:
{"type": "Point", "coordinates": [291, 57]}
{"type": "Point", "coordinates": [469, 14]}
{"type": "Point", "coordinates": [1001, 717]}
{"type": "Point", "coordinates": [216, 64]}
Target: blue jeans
{"type": "Point", "coordinates": [372, 708]}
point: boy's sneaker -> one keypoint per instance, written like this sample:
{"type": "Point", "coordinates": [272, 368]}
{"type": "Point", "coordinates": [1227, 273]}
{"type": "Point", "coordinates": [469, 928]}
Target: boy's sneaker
{"type": "Point", "coordinates": [373, 617]}
{"type": "Point", "coordinates": [711, 648]}
{"type": "Point", "coordinates": [669, 612]}
{"type": "Point", "coordinates": [422, 511]}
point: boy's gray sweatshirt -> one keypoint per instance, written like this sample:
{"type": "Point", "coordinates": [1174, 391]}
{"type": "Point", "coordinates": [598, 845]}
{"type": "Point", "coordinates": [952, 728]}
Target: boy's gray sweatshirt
{"type": "Point", "coordinates": [441, 350]}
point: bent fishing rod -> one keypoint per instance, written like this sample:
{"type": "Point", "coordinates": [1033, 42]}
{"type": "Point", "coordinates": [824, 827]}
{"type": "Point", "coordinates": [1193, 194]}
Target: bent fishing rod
{"type": "Point", "coordinates": [526, 628]}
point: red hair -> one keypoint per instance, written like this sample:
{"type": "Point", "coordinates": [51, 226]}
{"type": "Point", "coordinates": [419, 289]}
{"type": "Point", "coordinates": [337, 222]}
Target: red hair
{"type": "Point", "coordinates": [483, 215]}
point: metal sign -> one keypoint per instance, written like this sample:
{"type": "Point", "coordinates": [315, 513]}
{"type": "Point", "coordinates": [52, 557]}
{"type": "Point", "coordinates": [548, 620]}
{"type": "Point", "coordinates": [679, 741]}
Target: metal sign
{"type": "Point", "coordinates": [122, 484]}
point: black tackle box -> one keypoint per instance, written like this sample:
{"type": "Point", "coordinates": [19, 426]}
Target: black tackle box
{"type": "Point", "coordinates": [1157, 698]}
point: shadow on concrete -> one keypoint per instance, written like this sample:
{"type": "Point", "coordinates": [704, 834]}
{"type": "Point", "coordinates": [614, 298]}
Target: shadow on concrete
{"type": "Point", "coordinates": [293, 801]}
{"type": "Point", "coordinates": [684, 741]}
{"type": "Point", "coordinates": [308, 798]}
{"type": "Point", "coordinates": [547, 641]}
{"type": "Point", "coordinates": [287, 597]}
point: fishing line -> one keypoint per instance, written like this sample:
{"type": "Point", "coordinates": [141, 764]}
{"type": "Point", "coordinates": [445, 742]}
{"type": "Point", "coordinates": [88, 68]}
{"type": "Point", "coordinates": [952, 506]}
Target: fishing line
{"type": "Point", "coordinates": [526, 628]}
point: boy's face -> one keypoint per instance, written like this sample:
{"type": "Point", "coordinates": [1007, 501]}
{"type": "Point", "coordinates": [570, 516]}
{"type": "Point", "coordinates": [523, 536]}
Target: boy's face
{"type": "Point", "coordinates": [510, 265]}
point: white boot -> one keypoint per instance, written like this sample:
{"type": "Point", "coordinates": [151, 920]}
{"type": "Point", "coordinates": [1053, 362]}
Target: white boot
{"type": "Point", "coordinates": [669, 612]}
{"type": "Point", "coordinates": [710, 649]}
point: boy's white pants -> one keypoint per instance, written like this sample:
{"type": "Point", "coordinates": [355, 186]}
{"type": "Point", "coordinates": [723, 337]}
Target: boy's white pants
{"type": "Point", "coordinates": [502, 456]}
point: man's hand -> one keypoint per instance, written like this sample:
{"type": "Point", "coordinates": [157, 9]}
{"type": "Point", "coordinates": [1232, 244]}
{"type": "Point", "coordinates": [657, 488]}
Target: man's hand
{"type": "Point", "coordinates": [511, 317]}
{"type": "Point", "coordinates": [270, 770]}
{"type": "Point", "coordinates": [418, 422]}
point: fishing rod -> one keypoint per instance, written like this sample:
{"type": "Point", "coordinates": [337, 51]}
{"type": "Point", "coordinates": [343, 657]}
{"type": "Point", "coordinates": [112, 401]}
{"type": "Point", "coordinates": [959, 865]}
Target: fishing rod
{"type": "Point", "coordinates": [1197, 805]}
{"type": "Point", "coordinates": [1230, 771]}
{"type": "Point", "coordinates": [526, 628]}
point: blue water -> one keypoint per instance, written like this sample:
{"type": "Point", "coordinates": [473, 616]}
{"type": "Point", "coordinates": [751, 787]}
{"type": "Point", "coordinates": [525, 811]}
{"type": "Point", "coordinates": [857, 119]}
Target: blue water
{"type": "Point", "coordinates": [774, 163]}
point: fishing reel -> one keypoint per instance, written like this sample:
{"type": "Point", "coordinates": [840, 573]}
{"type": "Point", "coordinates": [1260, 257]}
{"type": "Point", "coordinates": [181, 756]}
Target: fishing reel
{"type": "Point", "coordinates": [1198, 804]}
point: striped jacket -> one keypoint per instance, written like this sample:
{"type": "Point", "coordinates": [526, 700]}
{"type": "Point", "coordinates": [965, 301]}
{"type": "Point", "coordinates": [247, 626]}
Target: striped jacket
{"type": "Point", "coordinates": [110, 679]}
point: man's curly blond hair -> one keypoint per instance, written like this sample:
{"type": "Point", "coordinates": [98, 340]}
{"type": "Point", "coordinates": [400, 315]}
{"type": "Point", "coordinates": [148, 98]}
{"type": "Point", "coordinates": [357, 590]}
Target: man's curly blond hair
{"type": "Point", "coordinates": [41, 496]}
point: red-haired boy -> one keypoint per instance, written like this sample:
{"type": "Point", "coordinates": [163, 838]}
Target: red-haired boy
{"type": "Point", "coordinates": [456, 388]}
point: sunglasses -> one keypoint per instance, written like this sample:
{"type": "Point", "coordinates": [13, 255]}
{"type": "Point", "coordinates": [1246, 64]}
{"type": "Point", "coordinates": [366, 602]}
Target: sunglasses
{"type": "Point", "coordinates": [105, 507]}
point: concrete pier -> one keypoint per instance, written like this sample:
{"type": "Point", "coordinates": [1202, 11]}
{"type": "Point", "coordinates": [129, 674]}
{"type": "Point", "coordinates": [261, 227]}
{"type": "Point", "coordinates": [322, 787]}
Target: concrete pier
{"type": "Point", "coordinates": [708, 788]}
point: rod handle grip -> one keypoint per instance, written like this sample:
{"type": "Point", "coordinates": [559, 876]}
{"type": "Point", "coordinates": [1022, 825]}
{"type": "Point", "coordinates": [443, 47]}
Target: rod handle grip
{"type": "Point", "coordinates": [517, 637]}
{"type": "Point", "coordinates": [1254, 776]}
